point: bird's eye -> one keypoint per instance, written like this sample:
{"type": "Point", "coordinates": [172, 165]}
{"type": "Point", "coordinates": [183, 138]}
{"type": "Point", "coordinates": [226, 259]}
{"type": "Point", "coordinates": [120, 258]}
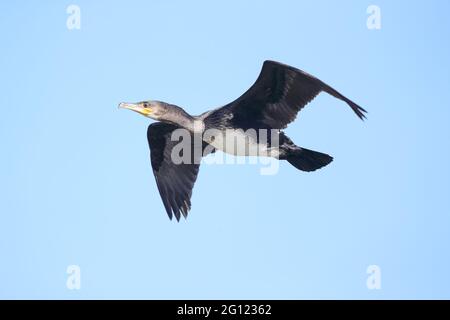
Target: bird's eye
{"type": "Point", "coordinates": [145, 104]}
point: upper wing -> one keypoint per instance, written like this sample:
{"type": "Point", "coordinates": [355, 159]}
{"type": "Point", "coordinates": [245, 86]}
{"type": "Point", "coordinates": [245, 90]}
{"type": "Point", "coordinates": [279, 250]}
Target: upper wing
{"type": "Point", "coordinates": [278, 94]}
{"type": "Point", "coordinates": [175, 181]}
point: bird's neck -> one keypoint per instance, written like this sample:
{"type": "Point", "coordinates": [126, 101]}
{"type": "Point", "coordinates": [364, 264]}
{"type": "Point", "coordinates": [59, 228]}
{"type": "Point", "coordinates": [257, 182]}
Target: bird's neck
{"type": "Point", "coordinates": [180, 117]}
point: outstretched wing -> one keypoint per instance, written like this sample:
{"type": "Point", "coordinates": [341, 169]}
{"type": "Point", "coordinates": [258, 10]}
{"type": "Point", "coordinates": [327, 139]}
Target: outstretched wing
{"type": "Point", "coordinates": [278, 94]}
{"type": "Point", "coordinates": [175, 180]}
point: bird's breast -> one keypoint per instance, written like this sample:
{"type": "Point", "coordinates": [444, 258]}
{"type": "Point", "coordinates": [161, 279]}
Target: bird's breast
{"type": "Point", "coordinates": [240, 143]}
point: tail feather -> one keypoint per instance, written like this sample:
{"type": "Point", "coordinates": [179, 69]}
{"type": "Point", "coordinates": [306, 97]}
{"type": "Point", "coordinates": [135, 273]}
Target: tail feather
{"type": "Point", "coordinates": [308, 160]}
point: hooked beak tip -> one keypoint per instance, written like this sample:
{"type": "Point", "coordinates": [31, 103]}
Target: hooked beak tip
{"type": "Point", "coordinates": [126, 105]}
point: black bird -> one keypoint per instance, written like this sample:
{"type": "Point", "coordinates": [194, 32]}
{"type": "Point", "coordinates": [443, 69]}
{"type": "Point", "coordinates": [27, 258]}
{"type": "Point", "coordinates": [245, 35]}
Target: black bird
{"type": "Point", "coordinates": [271, 103]}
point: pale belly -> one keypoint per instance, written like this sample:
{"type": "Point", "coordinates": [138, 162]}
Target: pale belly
{"type": "Point", "coordinates": [237, 143]}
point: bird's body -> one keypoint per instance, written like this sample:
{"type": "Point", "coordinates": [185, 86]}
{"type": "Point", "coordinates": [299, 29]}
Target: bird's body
{"type": "Point", "coordinates": [249, 126]}
{"type": "Point", "coordinates": [241, 143]}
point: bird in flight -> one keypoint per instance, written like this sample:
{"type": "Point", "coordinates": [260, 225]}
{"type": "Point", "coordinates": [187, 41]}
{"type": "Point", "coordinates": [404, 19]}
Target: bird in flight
{"type": "Point", "coordinates": [271, 103]}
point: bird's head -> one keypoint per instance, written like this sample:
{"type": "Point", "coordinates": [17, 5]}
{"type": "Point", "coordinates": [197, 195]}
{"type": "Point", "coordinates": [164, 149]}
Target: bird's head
{"type": "Point", "coordinates": [150, 109]}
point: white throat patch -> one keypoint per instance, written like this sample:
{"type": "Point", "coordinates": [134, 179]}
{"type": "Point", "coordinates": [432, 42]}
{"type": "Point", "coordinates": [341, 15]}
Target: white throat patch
{"type": "Point", "coordinates": [199, 126]}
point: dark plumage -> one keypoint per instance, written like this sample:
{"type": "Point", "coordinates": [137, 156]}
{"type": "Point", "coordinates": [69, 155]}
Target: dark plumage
{"type": "Point", "coordinates": [174, 181]}
{"type": "Point", "coordinates": [272, 102]}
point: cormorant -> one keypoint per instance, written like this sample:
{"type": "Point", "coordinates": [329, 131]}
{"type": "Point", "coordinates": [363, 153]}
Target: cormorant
{"type": "Point", "coordinates": [271, 103]}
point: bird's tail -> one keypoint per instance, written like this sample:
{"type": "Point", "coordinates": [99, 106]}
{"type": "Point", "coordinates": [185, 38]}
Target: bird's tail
{"type": "Point", "coordinates": [307, 160]}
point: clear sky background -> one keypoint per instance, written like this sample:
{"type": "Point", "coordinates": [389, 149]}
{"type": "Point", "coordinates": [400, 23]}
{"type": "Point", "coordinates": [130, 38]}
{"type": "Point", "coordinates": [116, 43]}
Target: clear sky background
{"type": "Point", "coordinates": [77, 189]}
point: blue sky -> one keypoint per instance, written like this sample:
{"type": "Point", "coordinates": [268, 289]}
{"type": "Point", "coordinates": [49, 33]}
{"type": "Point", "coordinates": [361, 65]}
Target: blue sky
{"type": "Point", "coordinates": [77, 188]}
